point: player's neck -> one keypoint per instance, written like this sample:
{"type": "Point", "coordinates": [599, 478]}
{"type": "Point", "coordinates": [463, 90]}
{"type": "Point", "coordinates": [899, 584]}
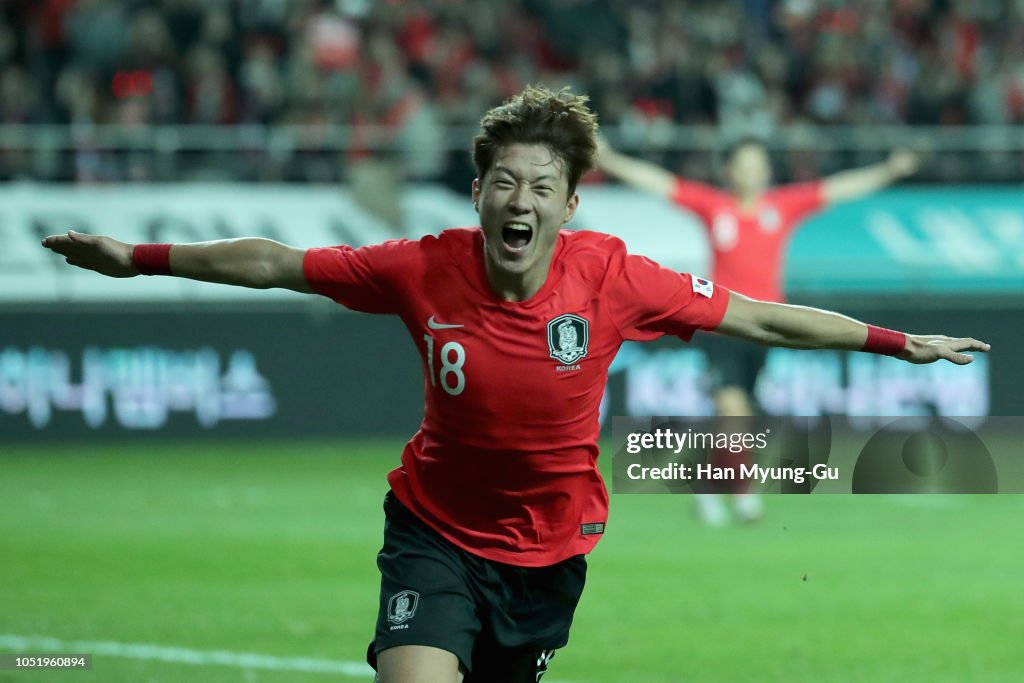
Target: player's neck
{"type": "Point", "coordinates": [517, 286]}
{"type": "Point", "coordinates": [748, 200]}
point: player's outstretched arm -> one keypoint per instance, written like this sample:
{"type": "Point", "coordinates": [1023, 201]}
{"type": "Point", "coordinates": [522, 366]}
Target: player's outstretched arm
{"type": "Point", "coordinates": [800, 327]}
{"type": "Point", "coordinates": [246, 262]}
{"type": "Point", "coordinates": [858, 182]}
{"type": "Point", "coordinates": [640, 174]}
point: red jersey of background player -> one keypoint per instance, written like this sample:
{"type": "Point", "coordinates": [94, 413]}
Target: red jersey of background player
{"type": "Point", "coordinates": [504, 463]}
{"type": "Point", "coordinates": [748, 245]}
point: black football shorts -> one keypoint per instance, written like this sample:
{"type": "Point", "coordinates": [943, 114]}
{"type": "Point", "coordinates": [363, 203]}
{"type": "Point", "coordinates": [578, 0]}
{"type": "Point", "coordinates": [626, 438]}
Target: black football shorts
{"type": "Point", "coordinates": [503, 622]}
{"type": "Point", "coordinates": [733, 362]}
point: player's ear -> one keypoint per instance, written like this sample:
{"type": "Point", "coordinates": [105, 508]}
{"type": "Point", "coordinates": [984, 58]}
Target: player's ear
{"type": "Point", "coordinates": [570, 207]}
{"type": "Point", "coordinates": [476, 194]}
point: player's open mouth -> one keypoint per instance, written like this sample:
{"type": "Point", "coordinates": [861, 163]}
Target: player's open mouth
{"type": "Point", "coordinates": [516, 235]}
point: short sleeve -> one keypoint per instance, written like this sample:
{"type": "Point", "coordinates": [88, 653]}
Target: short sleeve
{"type": "Point", "coordinates": [649, 300]}
{"type": "Point", "coordinates": [794, 202]}
{"type": "Point", "coordinates": [697, 197]}
{"type": "Point", "coordinates": [367, 279]}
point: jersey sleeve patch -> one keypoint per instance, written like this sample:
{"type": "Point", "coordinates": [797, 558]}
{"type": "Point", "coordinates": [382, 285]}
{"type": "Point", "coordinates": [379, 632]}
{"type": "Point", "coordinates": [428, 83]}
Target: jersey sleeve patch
{"type": "Point", "coordinates": [703, 287]}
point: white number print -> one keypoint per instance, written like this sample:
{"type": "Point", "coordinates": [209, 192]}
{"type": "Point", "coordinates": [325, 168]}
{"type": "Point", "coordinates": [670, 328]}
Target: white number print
{"type": "Point", "coordinates": [448, 367]}
{"type": "Point", "coordinates": [453, 368]}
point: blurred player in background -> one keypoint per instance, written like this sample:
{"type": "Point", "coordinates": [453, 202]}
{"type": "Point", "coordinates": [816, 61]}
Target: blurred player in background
{"type": "Point", "coordinates": [748, 227]}
{"type": "Point", "coordinates": [498, 497]}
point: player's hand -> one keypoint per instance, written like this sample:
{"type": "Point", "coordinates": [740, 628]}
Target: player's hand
{"type": "Point", "coordinates": [903, 163]}
{"type": "Point", "coordinates": [104, 255]}
{"type": "Point", "coordinates": [928, 348]}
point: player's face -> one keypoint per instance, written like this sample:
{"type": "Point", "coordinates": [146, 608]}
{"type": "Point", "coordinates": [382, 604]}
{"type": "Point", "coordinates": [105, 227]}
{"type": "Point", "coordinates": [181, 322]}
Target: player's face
{"type": "Point", "coordinates": [523, 201]}
{"type": "Point", "coordinates": [749, 170]}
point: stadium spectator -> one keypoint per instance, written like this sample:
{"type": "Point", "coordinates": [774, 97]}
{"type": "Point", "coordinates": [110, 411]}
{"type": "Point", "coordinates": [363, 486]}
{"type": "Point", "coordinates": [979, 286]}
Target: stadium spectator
{"type": "Point", "coordinates": [498, 496]}
{"type": "Point", "coordinates": [816, 56]}
{"type": "Point", "coordinates": [749, 67]}
{"type": "Point", "coordinates": [95, 31]}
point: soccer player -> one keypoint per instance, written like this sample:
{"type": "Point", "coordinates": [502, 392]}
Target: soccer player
{"type": "Point", "coordinates": [498, 497]}
{"type": "Point", "coordinates": [748, 228]}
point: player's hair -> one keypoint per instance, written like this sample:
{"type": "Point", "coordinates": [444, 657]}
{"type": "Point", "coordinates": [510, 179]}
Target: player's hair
{"type": "Point", "coordinates": [561, 121]}
{"type": "Point", "coordinates": [739, 143]}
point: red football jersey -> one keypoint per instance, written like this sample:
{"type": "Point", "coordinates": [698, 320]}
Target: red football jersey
{"type": "Point", "coordinates": [748, 246]}
{"type": "Point", "coordinates": [504, 464]}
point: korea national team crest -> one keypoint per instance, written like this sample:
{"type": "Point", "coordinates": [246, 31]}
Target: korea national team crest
{"type": "Point", "coordinates": [568, 337]}
{"type": "Point", "coordinates": [402, 606]}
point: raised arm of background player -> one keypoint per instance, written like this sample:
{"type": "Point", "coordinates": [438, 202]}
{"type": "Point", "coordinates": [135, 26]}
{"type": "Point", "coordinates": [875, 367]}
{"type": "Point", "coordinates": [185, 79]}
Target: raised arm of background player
{"type": "Point", "coordinates": [839, 187]}
{"type": "Point", "coordinates": [247, 262]}
{"type": "Point", "coordinates": [262, 264]}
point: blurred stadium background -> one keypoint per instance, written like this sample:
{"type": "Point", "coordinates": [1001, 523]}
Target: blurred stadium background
{"type": "Point", "coordinates": [191, 476]}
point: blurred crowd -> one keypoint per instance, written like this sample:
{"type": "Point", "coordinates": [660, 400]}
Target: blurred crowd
{"type": "Point", "coordinates": [415, 67]}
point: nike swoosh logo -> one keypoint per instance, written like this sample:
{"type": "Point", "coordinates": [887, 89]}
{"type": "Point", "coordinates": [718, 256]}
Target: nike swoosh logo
{"type": "Point", "coordinates": [434, 325]}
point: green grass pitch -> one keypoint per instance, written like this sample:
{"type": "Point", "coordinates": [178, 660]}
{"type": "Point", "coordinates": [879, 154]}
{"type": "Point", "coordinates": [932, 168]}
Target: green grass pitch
{"type": "Point", "coordinates": [269, 548]}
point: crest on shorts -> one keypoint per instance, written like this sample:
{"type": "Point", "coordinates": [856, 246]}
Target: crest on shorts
{"type": "Point", "coordinates": [402, 606]}
{"type": "Point", "coordinates": [568, 337]}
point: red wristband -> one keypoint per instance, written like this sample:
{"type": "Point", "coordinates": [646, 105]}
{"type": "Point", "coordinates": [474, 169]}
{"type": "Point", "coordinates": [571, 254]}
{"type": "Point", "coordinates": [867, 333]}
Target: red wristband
{"type": "Point", "coordinates": [152, 259]}
{"type": "Point", "coordinates": [884, 342]}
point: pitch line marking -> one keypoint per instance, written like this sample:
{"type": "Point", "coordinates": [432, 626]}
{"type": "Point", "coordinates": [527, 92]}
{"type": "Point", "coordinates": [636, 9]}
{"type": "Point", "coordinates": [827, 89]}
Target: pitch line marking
{"type": "Point", "coordinates": [182, 655]}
